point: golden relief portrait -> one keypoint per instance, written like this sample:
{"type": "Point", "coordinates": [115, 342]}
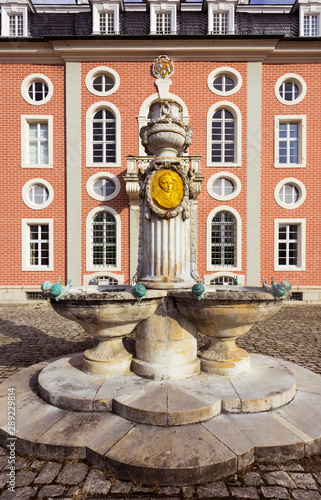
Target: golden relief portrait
{"type": "Point", "coordinates": [167, 189]}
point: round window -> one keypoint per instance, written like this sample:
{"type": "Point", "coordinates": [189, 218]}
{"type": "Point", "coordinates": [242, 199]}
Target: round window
{"type": "Point", "coordinates": [104, 187]}
{"type": "Point", "coordinates": [290, 89]}
{"type": "Point", "coordinates": [290, 193]}
{"type": "Point", "coordinates": [38, 91]}
{"type": "Point", "coordinates": [103, 83]}
{"type": "Point", "coordinates": [223, 186]}
{"type": "Point", "coordinates": [38, 194]}
{"type": "Point", "coordinates": [224, 83]}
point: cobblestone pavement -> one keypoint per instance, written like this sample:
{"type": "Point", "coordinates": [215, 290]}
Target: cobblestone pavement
{"type": "Point", "coordinates": [34, 332]}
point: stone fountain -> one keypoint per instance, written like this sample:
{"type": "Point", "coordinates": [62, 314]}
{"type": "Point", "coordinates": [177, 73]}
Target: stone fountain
{"type": "Point", "coordinates": [167, 414]}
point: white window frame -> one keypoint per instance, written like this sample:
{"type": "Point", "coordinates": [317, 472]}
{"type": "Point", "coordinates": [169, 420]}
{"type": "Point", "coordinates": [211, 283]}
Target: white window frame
{"type": "Point", "coordinates": [25, 194]}
{"type": "Point", "coordinates": [102, 175]}
{"type": "Point", "coordinates": [89, 132]}
{"type": "Point", "coordinates": [310, 10]}
{"type": "Point", "coordinates": [301, 121]}
{"type": "Point", "coordinates": [238, 134]}
{"type": "Point", "coordinates": [209, 277]}
{"type": "Point", "coordinates": [293, 78]}
{"type": "Point", "coordinates": [29, 80]}
{"type": "Point", "coordinates": [105, 8]}
{"type": "Point", "coordinates": [26, 241]}
{"type": "Point", "coordinates": [25, 120]}
{"type": "Point", "coordinates": [224, 8]}
{"type": "Point", "coordinates": [88, 277]}
{"type": "Point", "coordinates": [163, 8]}
{"type": "Point", "coordinates": [224, 70]}
{"type": "Point", "coordinates": [11, 10]}
{"type": "Point", "coordinates": [300, 187]}
{"type": "Point", "coordinates": [102, 70]}
{"type": "Point", "coordinates": [227, 175]}
{"type": "Point", "coordinates": [301, 223]}
{"type": "Point", "coordinates": [209, 265]}
{"type": "Point", "coordinates": [91, 215]}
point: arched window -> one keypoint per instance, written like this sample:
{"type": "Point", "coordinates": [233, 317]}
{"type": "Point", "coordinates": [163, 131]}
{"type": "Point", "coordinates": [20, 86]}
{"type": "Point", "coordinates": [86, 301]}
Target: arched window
{"type": "Point", "coordinates": [223, 239]}
{"type": "Point", "coordinates": [104, 137]}
{"type": "Point", "coordinates": [224, 135]}
{"type": "Point", "coordinates": [223, 247]}
{"type": "Point", "coordinates": [103, 239]}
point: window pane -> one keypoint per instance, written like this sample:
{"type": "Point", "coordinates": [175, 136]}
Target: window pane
{"type": "Point", "coordinates": [104, 240]}
{"type": "Point", "coordinates": [104, 137]}
{"type": "Point", "coordinates": [38, 91]}
{"type": "Point", "coordinates": [223, 239]}
{"type": "Point", "coordinates": [38, 194]}
{"type": "Point", "coordinates": [103, 83]}
{"type": "Point", "coordinates": [104, 187]}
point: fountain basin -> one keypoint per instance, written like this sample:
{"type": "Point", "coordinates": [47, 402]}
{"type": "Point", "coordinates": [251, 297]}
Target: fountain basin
{"type": "Point", "coordinates": [223, 315]}
{"type": "Point", "coordinates": [107, 316]}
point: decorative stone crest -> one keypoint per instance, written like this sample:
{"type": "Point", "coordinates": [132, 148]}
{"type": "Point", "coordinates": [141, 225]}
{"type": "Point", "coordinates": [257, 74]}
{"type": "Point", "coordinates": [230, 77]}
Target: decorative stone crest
{"type": "Point", "coordinates": [163, 67]}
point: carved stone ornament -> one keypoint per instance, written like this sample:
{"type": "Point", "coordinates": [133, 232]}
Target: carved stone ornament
{"type": "Point", "coordinates": [167, 189]}
{"type": "Point", "coordinates": [163, 67]}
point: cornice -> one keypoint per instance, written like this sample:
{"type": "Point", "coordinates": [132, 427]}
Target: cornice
{"type": "Point", "coordinates": [268, 50]}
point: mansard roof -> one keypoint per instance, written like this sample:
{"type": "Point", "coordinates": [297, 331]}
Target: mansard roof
{"type": "Point", "coordinates": [136, 23]}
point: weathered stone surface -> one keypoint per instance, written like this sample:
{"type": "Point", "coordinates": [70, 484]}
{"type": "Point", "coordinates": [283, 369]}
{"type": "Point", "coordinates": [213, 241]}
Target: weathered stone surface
{"type": "Point", "coordinates": [169, 490]}
{"type": "Point", "coordinates": [306, 495]}
{"type": "Point", "coordinates": [72, 473]}
{"type": "Point", "coordinates": [253, 479]}
{"type": "Point", "coordinates": [305, 481]}
{"type": "Point", "coordinates": [121, 487]}
{"type": "Point", "coordinates": [24, 493]}
{"type": "Point", "coordinates": [22, 463]}
{"type": "Point", "coordinates": [3, 479]}
{"type": "Point", "coordinates": [213, 490]}
{"type": "Point", "coordinates": [280, 478]}
{"type": "Point", "coordinates": [96, 483]}
{"type": "Point", "coordinates": [51, 490]}
{"type": "Point", "coordinates": [249, 492]}
{"type": "Point", "coordinates": [24, 478]}
{"type": "Point", "coordinates": [275, 492]}
{"type": "Point", "coordinates": [48, 473]}
{"type": "Point", "coordinates": [188, 491]}
{"type": "Point", "coordinates": [293, 467]}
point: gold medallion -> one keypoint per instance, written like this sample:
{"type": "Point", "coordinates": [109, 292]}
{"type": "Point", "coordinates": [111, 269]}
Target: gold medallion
{"type": "Point", "coordinates": [167, 189]}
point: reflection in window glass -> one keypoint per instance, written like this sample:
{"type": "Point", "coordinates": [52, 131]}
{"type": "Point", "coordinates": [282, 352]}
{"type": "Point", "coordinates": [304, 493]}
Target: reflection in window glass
{"type": "Point", "coordinates": [289, 91]}
{"type": "Point", "coordinates": [223, 83]}
{"type": "Point", "coordinates": [104, 187]}
{"type": "Point", "coordinates": [103, 83]}
{"type": "Point", "coordinates": [38, 91]}
{"type": "Point", "coordinates": [38, 194]}
{"type": "Point", "coordinates": [289, 194]}
{"type": "Point", "coordinates": [223, 186]}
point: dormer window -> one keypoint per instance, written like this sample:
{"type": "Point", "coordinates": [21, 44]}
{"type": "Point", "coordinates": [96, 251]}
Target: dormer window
{"type": "Point", "coordinates": [163, 18]}
{"type": "Point", "coordinates": [220, 18]}
{"type": "Point", "coordinates": [106, 23]}
{"type": "Point", "coordinates": [163, 23]}
{"type": "Point", "coordinates": [105, 18]}
{"type": "Point", "coordinates": [14, 20]}
{"type": "Point", "coordinates": [310, 20]}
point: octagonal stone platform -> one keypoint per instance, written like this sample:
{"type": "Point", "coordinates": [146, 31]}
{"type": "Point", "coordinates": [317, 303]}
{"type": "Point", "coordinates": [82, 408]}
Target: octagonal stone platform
{"type": "Point", "coordinates": [181, 450]}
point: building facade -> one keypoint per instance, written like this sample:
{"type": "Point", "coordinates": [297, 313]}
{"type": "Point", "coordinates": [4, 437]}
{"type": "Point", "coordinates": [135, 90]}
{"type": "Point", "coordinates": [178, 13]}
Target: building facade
{"type": "Point", "coordinates": [77, 85]}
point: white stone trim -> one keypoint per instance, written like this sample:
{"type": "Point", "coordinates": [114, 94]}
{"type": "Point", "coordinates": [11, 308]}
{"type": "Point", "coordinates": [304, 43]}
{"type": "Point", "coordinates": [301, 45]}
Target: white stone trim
{"type": "Point", "coordinates": [25, 120]}
{"type": "Point", "coordinates": [25, 223]}
{"type": "Point", "coordinates": [13, 9]}
{"type": "Point", "coordinates": [224, 70]}
{"type": "Point", "coordinates": [238, 134]}
{"type": "Point", "coordinates": [101, 8]}
{"type": "Point", "coordinates": [216, 8]}
{"type": "Point", "coordinates": [163, 7]}
{"type": "Point", "coordinates": [302, 244]}
{"type": "Point", "coordinates": [228, 175]}
{"type": "Point", "coordinates": [90, 216]}
{"type": "Point", "coordinates": [93, 73]}
{"type": "Point", "coordinates": [298, 80]}
{"type": "Point", "coordinates": [119, 277]}
{"type": "Point", "coordinates": [238, 266]}
{"type": "Point", "coordinates": [143, 113]}
{"type": "Point", "coordinates": [298, 184]}
{"type": "Point", "coordinates": [36, 77]}
{"type": "Point", "coordinates": [209, 277]}
{"type": "Point", "coordinates": [28, 186]}
{"type": "Point", "coordinates": [89, 150]}
{"type": "Point", "coordinates": [102, 175]}
{"type": "Point", "coordinates": [313, 9]}
{"type": "Point", "coordinates": [301, 120]}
